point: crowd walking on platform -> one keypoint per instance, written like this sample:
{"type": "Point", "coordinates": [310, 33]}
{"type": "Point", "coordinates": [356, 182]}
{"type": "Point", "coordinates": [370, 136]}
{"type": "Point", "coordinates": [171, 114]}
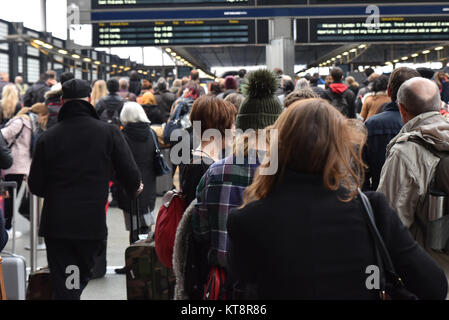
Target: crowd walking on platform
{"type": "Point", "coordinates": [289, 188]}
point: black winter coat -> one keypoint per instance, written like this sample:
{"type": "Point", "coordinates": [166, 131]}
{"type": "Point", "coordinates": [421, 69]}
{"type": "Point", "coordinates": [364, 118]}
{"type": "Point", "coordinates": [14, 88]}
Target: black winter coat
{"type": "Point", "coordinates": [36, 93]}
{"type": "Point", "coordinates": [154, 114]}
{"type": "Point", "coordinates": [5, 163]}
{"type": "Point", "coordinates": [301, 242]}
{"type": "Point", "coordinates": [6, 159]}
{"type": "Point", "coordinates": [71, 169]}
{"type": "Point", "coordinates": [165, 100]}
{"type": "Point", "coordinates": [142, 147]}
{"type": "Point", "coordinates": [135, 86]}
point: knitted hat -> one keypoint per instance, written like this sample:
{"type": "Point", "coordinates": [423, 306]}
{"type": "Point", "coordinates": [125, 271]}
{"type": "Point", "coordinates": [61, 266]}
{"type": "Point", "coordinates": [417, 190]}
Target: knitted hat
{"type": "Point", "coordinates": [261, 107]}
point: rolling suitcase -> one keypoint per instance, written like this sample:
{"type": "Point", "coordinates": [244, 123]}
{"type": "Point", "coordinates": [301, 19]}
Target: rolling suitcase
{"type": "Point", "coordinates": [146, 277]}
{"type": "Point", "coordinates": [165, 183]}
{"type": "Point", "coordinates": [14, 274]}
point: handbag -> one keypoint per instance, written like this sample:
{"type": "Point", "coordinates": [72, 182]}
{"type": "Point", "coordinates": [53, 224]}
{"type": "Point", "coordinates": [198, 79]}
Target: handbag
{"type": "Point", "coordinates": [160, 165]}
{"type": "Point", "coordinates": [391, 285]}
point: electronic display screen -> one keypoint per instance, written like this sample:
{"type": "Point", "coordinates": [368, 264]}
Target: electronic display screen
{"type": "Point", "coordinates": [407, 29]}
{"type": "Point", "coordinates": [148, 4]}
{"type": "Point", "coordinates": [185, 33]}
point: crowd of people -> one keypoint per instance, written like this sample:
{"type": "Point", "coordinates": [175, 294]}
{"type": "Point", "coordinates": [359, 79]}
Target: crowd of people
{"type": "Point", "coordinates": [300, 232]}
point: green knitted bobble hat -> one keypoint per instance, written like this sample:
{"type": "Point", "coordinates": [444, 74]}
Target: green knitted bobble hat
{"type": "Point", "coordinates": [261, 107]}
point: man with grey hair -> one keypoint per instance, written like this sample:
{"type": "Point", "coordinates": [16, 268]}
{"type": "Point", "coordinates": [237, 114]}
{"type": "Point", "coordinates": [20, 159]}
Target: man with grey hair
{"type": "Point", "coordinates": [413, 159]}
{"type": "Point", "coordinates": [164, 98]}
{"type": "Point", "coordinates": [124, 91]}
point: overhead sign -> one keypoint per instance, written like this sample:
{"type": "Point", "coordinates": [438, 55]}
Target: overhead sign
{"type": "Point", "coordinates": [120, 4]}
{"type": "Point", "coordinates": [182, 33]}
{"type": "Point", "coordinates": [393, 29]}
{"type": "Point", "coordinates": [262, 12]}
{"type": "Point", "coordinates": [174, 4]}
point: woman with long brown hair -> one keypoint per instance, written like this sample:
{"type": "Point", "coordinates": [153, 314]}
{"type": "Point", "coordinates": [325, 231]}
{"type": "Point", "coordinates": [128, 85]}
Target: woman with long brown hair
{"type": "Point", "coordinates": [301, 233]}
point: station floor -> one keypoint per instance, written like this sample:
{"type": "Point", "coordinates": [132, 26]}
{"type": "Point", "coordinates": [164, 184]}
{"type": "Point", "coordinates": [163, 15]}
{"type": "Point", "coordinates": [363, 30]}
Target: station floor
{"type": "Point", "coordinates": [112, 286]}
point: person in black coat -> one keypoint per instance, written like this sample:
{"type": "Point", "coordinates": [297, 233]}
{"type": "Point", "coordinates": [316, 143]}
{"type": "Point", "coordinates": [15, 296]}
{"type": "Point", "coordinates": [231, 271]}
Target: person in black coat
{"type": "Point", "coordinates": [164, 98]}
{"type": "Point", "coordinates": [5, 163]}
{"type": "Point", "coordinates": [109, 107]}
{"type": "Point", "coordinates": [71, 169]}
{"type": "Point", "coordinates": [138, 135]}
{"type": "Point", "coordinates": [302, 233]}
{"type": "Point", "coordinates": [135, 85]}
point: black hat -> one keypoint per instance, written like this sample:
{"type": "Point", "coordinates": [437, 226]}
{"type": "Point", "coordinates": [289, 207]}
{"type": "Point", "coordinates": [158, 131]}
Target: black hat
{"type": "Point", "coordinates": [76, 89]}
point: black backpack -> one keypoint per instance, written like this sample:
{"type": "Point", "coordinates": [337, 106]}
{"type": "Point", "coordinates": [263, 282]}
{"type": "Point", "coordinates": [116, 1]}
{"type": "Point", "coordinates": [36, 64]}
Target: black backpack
{"type": "Point", "coordinates": [339, 102]}
{"type": "Point", "coordinates": [111, 115]}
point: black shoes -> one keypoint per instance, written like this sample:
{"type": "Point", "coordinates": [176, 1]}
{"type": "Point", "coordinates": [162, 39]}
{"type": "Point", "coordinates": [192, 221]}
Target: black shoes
{"type": "Point", "coordinates": [120, 270]}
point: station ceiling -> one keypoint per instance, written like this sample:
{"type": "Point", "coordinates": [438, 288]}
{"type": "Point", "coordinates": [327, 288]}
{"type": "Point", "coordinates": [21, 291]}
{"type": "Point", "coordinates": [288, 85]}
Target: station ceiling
{"type": "Point", "coordinates": [207, 57]}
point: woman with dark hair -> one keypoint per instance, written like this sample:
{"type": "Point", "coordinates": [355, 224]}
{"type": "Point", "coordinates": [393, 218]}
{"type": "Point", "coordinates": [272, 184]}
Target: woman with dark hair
{"type": "Point", "coordinates": [373, 103]}
{"type": "Point", "coordinates": [301, 232]}
{"type": "Point", "coordinates": [214, 88]}
{"type": "Point", "coordinates": [212, 113]}
{"type": "Point", "coordinates": [135, 86]}
{"type": "Point", "coordinates": [231, 85]}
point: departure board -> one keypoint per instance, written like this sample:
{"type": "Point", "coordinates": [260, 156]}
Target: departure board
{"type": "Point", "coordinates": [185, 33]}
{"type": "Point", "coordinates": [394, 29]}
{"type": "Point", "coordinates": [118, 4]}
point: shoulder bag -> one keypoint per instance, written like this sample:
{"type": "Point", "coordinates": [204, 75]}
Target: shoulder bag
{"type": "Point", "coordinates": [160, 165]}
{"type": "Point", "coordinates": [391, 285]}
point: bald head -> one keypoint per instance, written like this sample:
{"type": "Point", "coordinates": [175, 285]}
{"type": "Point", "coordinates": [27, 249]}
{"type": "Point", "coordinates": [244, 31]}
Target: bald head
{"type": "Point", "coordinates": [419, 95]}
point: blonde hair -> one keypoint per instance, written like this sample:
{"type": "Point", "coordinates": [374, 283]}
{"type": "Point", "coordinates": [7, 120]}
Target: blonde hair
{"type": "Point", "coordinates": [10, 98]}
{"type": "Point", "coordinates": [40, 109]}
{"type": "Point", "coordinates": [98, 91]}
{"type": "Point", "coordinates": [350, 81]}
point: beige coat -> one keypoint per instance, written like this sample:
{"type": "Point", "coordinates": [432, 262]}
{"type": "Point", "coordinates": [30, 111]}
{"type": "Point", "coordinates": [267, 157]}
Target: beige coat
{"type": "Point", "coordinates": [409, 169]}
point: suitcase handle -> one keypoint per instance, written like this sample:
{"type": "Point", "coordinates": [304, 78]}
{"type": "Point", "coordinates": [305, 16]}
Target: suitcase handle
{"type": "Point", "coordinates": [8, 184]}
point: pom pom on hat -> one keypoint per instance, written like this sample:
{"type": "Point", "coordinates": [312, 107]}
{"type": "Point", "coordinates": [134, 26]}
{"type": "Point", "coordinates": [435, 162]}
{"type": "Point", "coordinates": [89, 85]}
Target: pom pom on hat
{"type": "Point", "coordinates": [261, 107]}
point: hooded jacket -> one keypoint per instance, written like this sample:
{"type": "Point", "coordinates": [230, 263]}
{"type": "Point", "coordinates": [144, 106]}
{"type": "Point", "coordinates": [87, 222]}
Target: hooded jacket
{"type": "Point", "coordinates": [337, 89]}
{"type": "Point", "coordinates": [71, 169]}
{"type": "Point", "coordinates": [409, 169]}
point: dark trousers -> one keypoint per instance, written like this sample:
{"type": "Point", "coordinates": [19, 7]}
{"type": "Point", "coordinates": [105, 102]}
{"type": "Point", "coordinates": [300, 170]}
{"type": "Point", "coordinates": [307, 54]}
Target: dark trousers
{"type": "Point", "coordinates": [64, 253]}
{"type": "Point", "coordinates": [8, 202]}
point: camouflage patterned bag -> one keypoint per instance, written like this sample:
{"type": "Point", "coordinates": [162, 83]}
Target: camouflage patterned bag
{"type": "Point", "coordinates": [146, 277]}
